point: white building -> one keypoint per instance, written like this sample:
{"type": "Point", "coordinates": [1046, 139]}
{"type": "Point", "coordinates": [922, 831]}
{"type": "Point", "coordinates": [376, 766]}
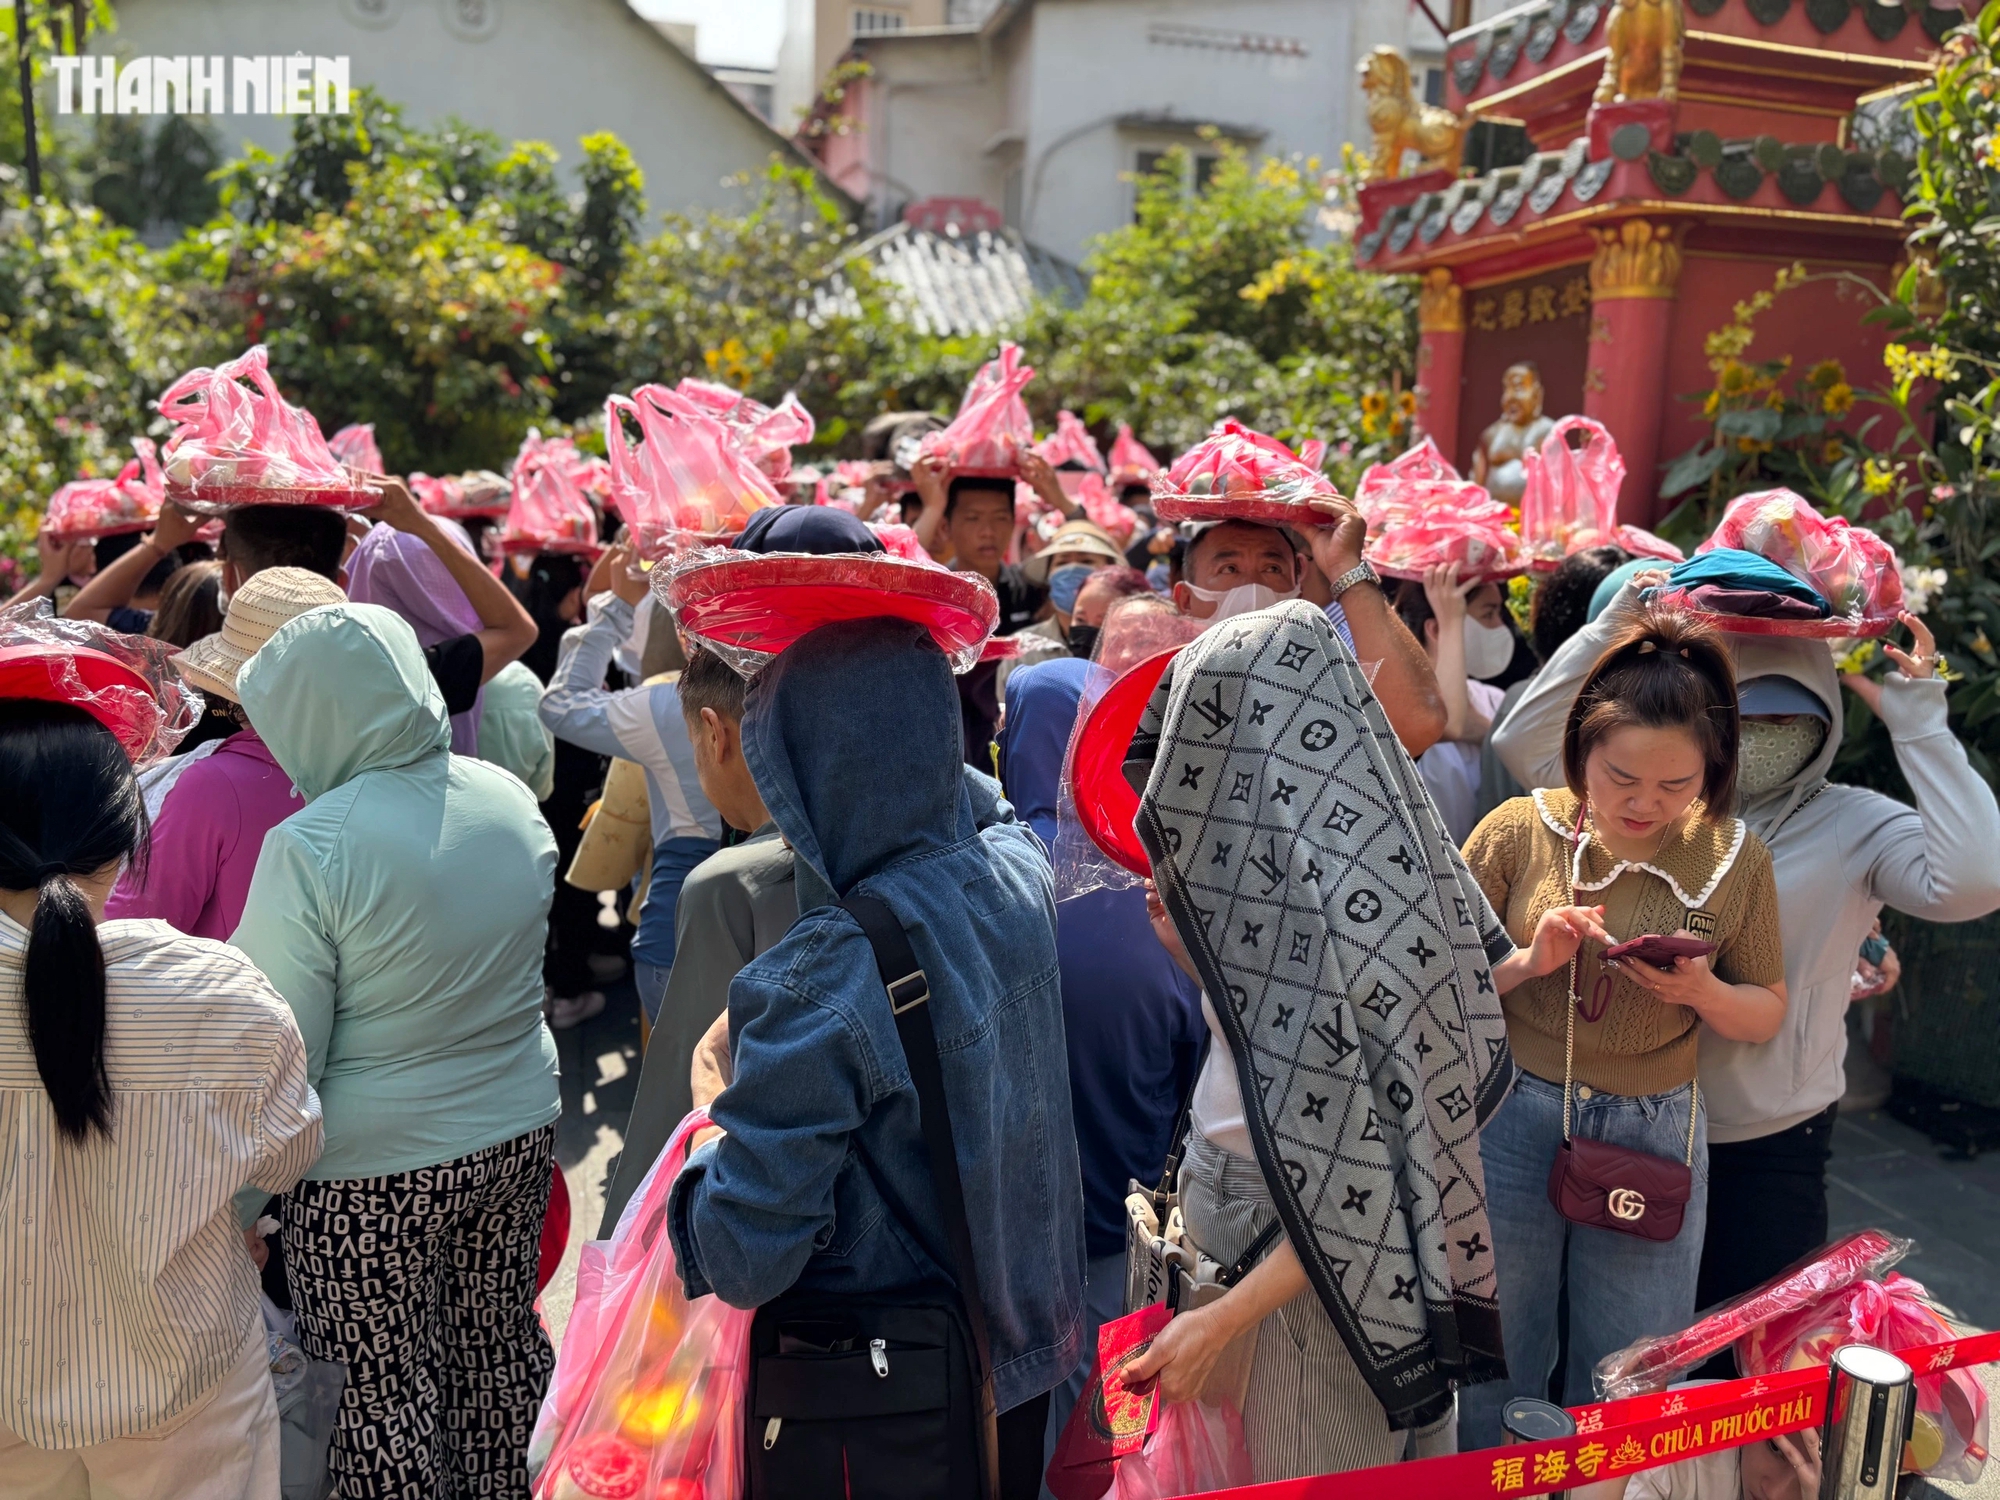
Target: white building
{"type": "Point", "coordinates": [1043, 108]}
{"type": "Point", "coordinates": [547, 70]}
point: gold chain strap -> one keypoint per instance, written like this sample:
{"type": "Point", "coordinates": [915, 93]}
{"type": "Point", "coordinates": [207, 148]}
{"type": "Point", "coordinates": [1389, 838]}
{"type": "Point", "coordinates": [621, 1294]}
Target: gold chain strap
{"type": "Point", "coordinates": [1572, 999]}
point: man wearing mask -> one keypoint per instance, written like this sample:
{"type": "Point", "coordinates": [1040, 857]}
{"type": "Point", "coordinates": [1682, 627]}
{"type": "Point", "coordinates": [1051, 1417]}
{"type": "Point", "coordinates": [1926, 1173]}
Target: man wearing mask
{"type": "Point", "coordinates": [1233, 567]}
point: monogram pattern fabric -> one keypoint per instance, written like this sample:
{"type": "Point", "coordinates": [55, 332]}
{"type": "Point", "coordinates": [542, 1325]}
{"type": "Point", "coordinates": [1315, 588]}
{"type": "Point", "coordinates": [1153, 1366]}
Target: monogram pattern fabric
{"type": "Point", "coordinates": [1348, 953]}
{"type": "Point", "coordinates": [423, 1284]}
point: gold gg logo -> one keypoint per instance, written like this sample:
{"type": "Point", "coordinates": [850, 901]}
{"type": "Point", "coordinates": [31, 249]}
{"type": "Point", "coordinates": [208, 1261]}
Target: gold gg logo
{"type": "Point", "coordinates": [1626, 1203]}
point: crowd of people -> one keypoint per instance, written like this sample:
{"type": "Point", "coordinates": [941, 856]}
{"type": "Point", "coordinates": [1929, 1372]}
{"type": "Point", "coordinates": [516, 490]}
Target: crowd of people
{"type": "Point", "coordinates": [277, 1031]}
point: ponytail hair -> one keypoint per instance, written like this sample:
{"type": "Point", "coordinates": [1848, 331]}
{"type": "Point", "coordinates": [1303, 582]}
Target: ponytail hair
{"type": "Point", "coordinates": [1668, 671]}
{"type": "Point", "coordinates": [69, 806]}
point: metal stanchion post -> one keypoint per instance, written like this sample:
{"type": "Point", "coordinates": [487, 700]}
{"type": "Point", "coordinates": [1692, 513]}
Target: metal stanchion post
{"type": "Point", "coordinates": [1527, 1420]}
{"type": "Point", "coordinates": [1870, 1400]}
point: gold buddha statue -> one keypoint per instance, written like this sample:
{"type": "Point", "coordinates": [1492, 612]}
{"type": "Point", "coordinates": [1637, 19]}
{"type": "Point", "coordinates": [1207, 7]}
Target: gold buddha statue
{"type": "Point", "coordinates": [1496, 463]}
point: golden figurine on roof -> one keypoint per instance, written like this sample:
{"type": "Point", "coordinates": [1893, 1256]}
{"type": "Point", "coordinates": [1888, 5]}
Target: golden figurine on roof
{"type": "Point", "coordinates": [1402, 124]}
{"type": "Point", "coordinates": [1643, 60]}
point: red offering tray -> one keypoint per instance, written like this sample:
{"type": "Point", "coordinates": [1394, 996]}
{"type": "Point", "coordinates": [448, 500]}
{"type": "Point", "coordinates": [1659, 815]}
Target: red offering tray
{"type": "Point", "coordinates": [748, 607]}
{"type": "Point", "coordinates": [215, 499]}
{"type": "Point", "coordinates": [102, 686]}
{"type": "Point", "coordinates": [1172, 507]}
{"type": "Point", "coordinates": [1000, 648]}
{"type": "Point", "coordinates": [1237, 474]}
{"type": "Point", "coordinates": [1106, 804]}
{"type": "Point", "coordinates": [1833, 628]}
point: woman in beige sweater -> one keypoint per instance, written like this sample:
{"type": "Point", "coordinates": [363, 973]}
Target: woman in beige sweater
{"type": "Point", "coordinates": [1608, 1049]}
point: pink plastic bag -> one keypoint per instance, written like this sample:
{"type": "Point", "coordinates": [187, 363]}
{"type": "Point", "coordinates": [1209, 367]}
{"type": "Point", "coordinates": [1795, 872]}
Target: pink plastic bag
{"type": "Point", "coordinates": [899, 540]}
{"type": "Point", "coordinates": [1238, 474]}
{"type": "Point", "coordinates": [647, 1395]}
{"type": "Point", "coordinates": [1103, 507]}
{"type": "Point", "coordinates": [688, 479]}
{"type": "Point", "coordinates": [475, 494]}
{"type": "Point", "coordinates": [85, 509]}
{"type": "Point", "coordinates": [354, 445]}
{"type": "Point", "coordinates": [766, 433]}
{"type": "Point", "coordinates": [1852, 566]}
{"type": "Point", "coordinates": [126, 682]}
{"type": "Point", "coordinates": [1949, 1438]}
{"type": "Point", "coordinates": [549, 510]}
{"type": "Point", "coordinates": [238, 442]}
{"type": "Point", "coordinates": [1570, 501]}
{"type": "Point", "coordinates": [992, 426]}
{"type": "Point", "coordinates": [1422, 515]}
{"type": "Point", "coordinates": [1195, 1448]}
{"type": "Point", "coordinates": [1071, 443]}
{"type": "Point", "coordinates": [1131, 461]}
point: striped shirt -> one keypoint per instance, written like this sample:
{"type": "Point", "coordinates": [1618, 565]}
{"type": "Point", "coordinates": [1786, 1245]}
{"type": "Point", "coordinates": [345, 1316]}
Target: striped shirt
{"type": "Point", "coordinates": [125, 1291]}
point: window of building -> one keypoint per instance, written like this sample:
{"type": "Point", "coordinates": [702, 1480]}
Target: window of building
{"type": "Point", "coordinates": [1204, 169]}
{"type": "Point", "coordinates": [1434, 86]}
{"type": "Point", "coordinates": [1195, 176]}
{"type": "Point", "coordinates": [873, 22]}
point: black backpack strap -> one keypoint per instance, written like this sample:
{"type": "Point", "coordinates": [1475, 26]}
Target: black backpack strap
{"type": "Point", "coordinates": [909, 1001]}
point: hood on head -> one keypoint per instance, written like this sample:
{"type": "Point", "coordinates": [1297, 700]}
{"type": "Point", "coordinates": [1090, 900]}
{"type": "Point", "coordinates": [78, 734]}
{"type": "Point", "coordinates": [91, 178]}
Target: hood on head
{"type": "Point", "coordinates": [340, 690]}
{"type": "Point", "coordinates": [399, 571]}
{"type": "Point", "coordinates": [1042, 705]}
{"type": "Point", "coordinates": [1810, 664]}
{"type": "Point", "coordinates": [854, 740]}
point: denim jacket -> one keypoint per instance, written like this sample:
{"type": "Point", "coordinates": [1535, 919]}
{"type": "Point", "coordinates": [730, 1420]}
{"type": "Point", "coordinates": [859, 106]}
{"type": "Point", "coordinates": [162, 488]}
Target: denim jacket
{"type": "Point", "coordinates": [821, 1182]}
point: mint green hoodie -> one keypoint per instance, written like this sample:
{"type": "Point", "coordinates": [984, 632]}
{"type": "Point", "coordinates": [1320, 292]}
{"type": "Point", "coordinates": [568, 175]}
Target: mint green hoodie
{"type": "Point", "coordinates": [401, 912]}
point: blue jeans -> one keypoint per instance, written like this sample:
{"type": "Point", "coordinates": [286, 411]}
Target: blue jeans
{"type": "Point", "coordinates": [1621, 1287]}
{"type": "Point", "coordinates": [653, 945]}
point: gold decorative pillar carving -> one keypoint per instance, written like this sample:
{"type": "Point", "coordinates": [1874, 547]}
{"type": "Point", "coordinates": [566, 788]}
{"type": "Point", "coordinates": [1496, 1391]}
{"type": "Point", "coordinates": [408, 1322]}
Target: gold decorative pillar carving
{"type": "Point", "coordinates": [1440, 357]}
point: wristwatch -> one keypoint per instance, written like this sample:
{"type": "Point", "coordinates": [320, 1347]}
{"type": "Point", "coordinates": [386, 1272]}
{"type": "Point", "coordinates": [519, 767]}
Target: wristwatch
{"type": "Point", "coordinates": [1359, 573]}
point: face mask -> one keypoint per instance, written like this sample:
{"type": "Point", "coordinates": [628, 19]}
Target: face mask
{"type": "Point", "coordinates": [1065, 583]}
{"type": "Point", "coordinates": [1240, 600]}
{"type": "Point", "coordinates": [1083, 639]}
{"type": "Point", "coordinates": [1488, 648]}
{"type": "Point", "coordinates": [1772, 751]}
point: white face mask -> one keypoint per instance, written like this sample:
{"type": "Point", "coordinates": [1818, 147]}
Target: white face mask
{"type": "Point", "coordinates": [1488, 648]}
{"type": "Point", "coordinates": [1240, 600]}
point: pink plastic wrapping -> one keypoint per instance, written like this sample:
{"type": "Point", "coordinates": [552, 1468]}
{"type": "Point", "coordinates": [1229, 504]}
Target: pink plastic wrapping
{"type": "Point", "coordinates": [747, 607]}
{"type": "Point", "coordinates": [1422, 515]}
{"type": "Point", "coordinates": [475, 494]}
{"type": "Point", "coordinates": [1571, 499]}
{"type": "Point", "coordinates": [766, 433]}
{"type": "Point", "coordinates": [354, 446]}
{"type": "Point", "coordinates": [1652, 1364]}
{"type": "Point", "coordinates": [85, 509]}
{"type": "Point", "coordinates": [1236, 474]}
{"type": "Point", "coordinates": [647, 1395]}
{"type": "Point", "coordinates": [1103, 507]}
{"type": "Point", "coordinates": [238, 442]}
{"type": "Point", "coordinates": [1071, 443]}
{"type": "Point", "coordinates": [1948, 1439]}
{"type": "Point", "coordinates": [992, 426]}
{"type": "Point", "coordinates": [1131, 461]}
{"type": "Point", "coordinates": [126, 682]}
{"type": "Point", "coordinates": [1195, 1449]}
{"type": "Point", "coordinates": [687, 478]}
{"type": "Point", "coordinates": [549, 510]}
{"type": "Point", "coordinates": [1852, 566]}
{"type": "Point", "coordinates": [901, 541]}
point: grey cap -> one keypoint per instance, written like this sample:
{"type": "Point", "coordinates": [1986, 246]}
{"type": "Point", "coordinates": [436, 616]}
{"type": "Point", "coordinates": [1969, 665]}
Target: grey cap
{"type": "Point", "coordinates": [1777, 694]}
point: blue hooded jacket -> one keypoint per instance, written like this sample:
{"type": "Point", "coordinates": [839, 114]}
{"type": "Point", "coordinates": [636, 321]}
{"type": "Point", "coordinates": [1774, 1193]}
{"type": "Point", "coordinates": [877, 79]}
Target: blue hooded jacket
{"type": "Point", "coordinates": [821, 1182]}
{"type": "Point", "coordinates": [1131, 1018]}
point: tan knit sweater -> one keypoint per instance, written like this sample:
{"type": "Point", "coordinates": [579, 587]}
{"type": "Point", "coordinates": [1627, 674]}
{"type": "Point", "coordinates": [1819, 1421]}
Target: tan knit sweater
{"type": "Point", "coordinates": [1712, 877]}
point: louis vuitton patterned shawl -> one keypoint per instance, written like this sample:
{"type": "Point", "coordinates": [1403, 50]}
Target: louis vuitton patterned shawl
{"type": "Point", "coordinates": [1348, 952]}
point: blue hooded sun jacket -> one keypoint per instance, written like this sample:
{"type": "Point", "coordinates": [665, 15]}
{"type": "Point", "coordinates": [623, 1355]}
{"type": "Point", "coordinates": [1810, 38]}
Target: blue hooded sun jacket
{"type": "Point", "coordinates": [853, 738]}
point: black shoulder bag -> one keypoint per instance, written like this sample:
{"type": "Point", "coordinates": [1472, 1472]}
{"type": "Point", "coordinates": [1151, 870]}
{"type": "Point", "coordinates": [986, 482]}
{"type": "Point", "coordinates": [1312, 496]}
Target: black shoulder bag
{"type": "Point", "coordinates": [881, 1398]}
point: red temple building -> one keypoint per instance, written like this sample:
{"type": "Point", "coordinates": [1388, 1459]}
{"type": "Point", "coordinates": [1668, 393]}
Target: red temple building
{"type": "Point", "coordinates": [1734, 138]}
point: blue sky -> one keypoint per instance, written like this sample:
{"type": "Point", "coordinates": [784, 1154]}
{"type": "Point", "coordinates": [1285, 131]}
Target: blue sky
{"type": "Point", "coordinates": [743, 32]}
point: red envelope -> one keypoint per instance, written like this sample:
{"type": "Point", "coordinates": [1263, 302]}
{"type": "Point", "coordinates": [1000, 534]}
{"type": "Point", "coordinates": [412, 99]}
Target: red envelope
{"type": "Point", "coordinates": [1108, 1421]}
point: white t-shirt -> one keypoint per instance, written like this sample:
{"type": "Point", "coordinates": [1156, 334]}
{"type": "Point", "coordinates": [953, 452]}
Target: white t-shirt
{"type": "Point", "coordinates": [1451, 769]}
{"type": "Point", "coordinates": [1217, 1108]}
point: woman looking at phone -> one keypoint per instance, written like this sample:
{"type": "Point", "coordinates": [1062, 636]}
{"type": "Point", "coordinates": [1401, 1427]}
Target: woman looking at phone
{"type": "Point", "coordinates": [1608, 1048]}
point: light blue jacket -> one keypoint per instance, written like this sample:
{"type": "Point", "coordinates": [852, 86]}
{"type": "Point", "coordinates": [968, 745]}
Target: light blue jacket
{"type": "Point", "coordinates": [822, 1181]}
{"type": "Point", "coordinates": [401, 913]}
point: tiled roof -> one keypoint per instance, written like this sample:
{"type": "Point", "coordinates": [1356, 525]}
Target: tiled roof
{"type": "Point", "coordinates": [980, 283]}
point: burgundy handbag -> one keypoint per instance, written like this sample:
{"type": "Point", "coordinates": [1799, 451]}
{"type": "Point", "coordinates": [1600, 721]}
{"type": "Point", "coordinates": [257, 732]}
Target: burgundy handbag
{"type": "Point", "coordinates": [1615, 1187]}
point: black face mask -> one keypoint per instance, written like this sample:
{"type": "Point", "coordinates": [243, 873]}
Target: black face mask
{"type": "Point", "coordinates": [1082, 640]}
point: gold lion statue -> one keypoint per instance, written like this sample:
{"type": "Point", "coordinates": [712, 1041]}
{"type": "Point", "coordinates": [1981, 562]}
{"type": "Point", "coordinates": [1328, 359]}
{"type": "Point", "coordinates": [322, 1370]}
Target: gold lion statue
{"type": "Point", "coordinates": [1400, 123]}
{"type": "Point", "coordinates": [1643, 58]}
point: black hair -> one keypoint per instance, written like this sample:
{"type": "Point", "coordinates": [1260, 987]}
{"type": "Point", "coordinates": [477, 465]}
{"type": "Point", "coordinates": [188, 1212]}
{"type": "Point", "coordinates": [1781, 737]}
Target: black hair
{"type": "Point", "coordinates": [69, 805]}
{"type": "Point", "coordinates": [1413, 606]}
{"type": "Point", "coordinates": [985, 484]}
{"type": "Point", "coordinates": [1187, 548]}
{"type": "Point", "coordinates": [256, 537]}
{"type": "Point", "coordinates": [108, 549]}
{"type": "Point", "coordinates": [1562, 603]}
{"type": "Point", "coordinates": [190, 605]}
{"type": "Point", "coordinates": [707, 681]}
{"type": "Point", "coordinates": [552, 577]}
{"type": "Point", "coordinates": [1669, 670]}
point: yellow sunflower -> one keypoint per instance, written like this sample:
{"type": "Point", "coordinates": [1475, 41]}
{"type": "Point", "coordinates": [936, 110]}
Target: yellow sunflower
{"type": "Point", "coordinates": [1737, 378]}
{"type": "Point", "coordinates": [1375, 404]}
{"type": "Point", "coordinates": [1837, 400]}
{"type": "Point", "coordinates": [1407, 403]}
{"type": "Point", "coordinates": [1834, 451]}
{"type": "Point", "coordinates": [1827, 374]}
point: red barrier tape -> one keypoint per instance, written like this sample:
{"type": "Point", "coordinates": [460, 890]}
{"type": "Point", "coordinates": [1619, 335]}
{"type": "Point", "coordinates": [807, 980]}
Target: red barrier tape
{"type": "Point", "coordinates": [1614, 1438]}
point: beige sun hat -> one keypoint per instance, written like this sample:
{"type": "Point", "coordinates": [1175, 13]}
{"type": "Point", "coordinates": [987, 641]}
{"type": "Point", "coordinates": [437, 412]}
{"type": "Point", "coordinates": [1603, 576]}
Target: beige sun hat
{"type": "Point", "coordinates": [266, 601]}
{"type": "Point", "coordinates": [1074, 538]}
